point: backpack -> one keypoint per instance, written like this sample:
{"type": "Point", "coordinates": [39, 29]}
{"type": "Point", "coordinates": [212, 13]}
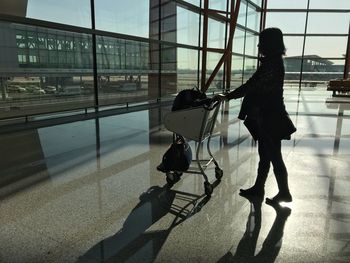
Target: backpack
{"type": "Point", "coordinates": [190, 98]}
{"type": "Point", "coordinates": [178, 157]}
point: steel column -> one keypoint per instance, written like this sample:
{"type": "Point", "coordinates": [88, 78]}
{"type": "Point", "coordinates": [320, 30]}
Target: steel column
{"type": "Point", "coordinates": [205, 44]}
{"type": "Point", "coordinates": [233, 22]}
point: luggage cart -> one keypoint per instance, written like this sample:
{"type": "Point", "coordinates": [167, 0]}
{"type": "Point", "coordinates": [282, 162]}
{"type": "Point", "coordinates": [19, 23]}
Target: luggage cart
{"type": "Point", "coordinates": [195, 124]}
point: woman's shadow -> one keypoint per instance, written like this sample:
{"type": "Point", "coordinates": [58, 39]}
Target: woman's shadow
{"type": "Point", "coordinates": [245, 251]}
{"type": "Point", "coordinates": [133, 242]}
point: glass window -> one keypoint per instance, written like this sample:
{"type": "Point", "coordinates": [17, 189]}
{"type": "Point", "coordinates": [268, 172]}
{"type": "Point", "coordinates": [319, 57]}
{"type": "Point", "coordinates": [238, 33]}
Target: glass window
{"type": "Point", "coordinates": [292, 67]}
{"type": "Point", "coordinates": [216, 34]}
{"type": "Point", "coordinates": [236, 71]}
{"type": "Point", "coordinates": [238, 41]}
{"type": "Point", "coordinates": [330, 23]}
{"type": "Point", "coordinates": [316, 69]}
{"type": "Point", "coordinates": [187, 68]}
{"type": "Point", "coordinates": [75, 13]}
{"type": "Point", "coordinates": [251, 44]}
{"type": "Point", "coordinates": [253, 18]}
{"type": "Point", "coordinates": [292, 22]}
{"type": "Point", "coordinates": [250, 66]}
{"type": "Point", "coordinates": [212, 61]}
{"type": "Point", "coordinates": [123, 68]}
{"type": "Point", "coordinates": [331, 47]}
{"type": "Point", "coordinates": [327, 4]}
{"type": "Point", "coordinates": [218, 4]}
{"type": "Point", "coordinates": [194, 2]}
{"type": "Point", "coordinates": [127, 17]}
{"type": "Point", "coordinates": [242, 14]}
{"type": "Point", "coordinates": [294, 45]}
{"type": "Point", "coordinates": [187, 27]}
{"type": "Point", "coordinates": [287, 4]}
{"type": "Point", "coordinates": [169, 59]}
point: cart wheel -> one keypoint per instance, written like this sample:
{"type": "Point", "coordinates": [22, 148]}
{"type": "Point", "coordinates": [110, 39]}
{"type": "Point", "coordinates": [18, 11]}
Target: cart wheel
{"type": "Point", "coordinates": [218, 173]}
{"type": "Point", "coordinates": [208, 188]}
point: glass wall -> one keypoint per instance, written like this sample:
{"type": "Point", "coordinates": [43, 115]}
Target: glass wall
{"type": "Point", "coordinates": [144, 50]}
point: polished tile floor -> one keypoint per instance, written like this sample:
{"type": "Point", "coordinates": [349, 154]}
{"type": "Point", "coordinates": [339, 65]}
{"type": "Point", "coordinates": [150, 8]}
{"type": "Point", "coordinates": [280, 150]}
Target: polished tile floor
{"type": "Point", "coordinates": [89, 191]}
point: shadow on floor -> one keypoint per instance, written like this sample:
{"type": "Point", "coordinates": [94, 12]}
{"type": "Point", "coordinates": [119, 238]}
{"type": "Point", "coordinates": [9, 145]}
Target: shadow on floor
{"type": "Point", "coordinates": [246, 247]}
{"type": "Point", "coordinates": [132, 242]}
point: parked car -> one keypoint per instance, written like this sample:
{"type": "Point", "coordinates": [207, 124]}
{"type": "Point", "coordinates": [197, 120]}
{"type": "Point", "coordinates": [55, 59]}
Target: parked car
{"type": "Point", "coordinates": [69, 90]}
{"type": "Point", "coordinates": [39, 91]}
{"type": "Point", "coordinates": [16, 89]}
{"type": "Point", "coordinates": [50, 89]}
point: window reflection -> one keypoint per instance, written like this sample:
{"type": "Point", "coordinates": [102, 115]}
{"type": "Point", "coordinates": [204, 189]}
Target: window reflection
{"type": "Point", "coordinates": [69, 12]}
{"type": "Point", "coordinates": [127, 17]}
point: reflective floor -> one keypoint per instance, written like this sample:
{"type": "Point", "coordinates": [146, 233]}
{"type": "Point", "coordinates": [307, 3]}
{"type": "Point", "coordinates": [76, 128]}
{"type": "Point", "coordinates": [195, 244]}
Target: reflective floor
{"type": "Point", "coordinates": [89, 191]}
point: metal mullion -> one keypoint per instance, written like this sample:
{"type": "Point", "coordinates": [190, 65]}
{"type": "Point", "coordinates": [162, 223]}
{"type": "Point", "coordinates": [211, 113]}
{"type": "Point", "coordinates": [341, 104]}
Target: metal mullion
{"type": "Point", "coordinates": [247, 29]}
{"type": "Point", "coordinates": [258, 8]}
{"type": "Point", "coordinates": [199, 45]}
{"type": "Point", "coordinates": [226, 74]}
{"type": "Point", "coordinates": [262, 22]}
{"type": "Point", "coordinates": [188, 5]}
{"type": "Point", "coordinates": [205, 44]}
{"type": "Point", "coordinates": [94, 54]}
{"type": "Point", "coordinates": [159, 50]}
{"type": "Point", "coordinates": [308, 10]}
{"type": "Point", "coordinates": [303, 50]}
{"type": "Point", "coordinates": [347, 58]}
{"type": "Point", "coordinates": [244, 43]}
{"type": "Point", "coordinates": [314, 35]}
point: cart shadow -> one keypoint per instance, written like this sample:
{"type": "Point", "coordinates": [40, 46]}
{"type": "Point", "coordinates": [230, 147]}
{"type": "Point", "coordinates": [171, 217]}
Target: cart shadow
{"type": "Point", "coordinates": [133, 242]}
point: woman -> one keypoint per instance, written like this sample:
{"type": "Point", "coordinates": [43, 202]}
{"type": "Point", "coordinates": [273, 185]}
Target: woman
{"type": "Point", "coordinates": [264, 114]}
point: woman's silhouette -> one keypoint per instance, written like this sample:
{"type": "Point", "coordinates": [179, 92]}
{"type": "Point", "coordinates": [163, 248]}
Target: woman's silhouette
{"type": "Point", "coordinates": [264, 114]}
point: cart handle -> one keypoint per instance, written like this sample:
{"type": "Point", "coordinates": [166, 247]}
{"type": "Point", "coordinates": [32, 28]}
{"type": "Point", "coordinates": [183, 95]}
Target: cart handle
{"type": "Point", "coordinates": [212, 105]}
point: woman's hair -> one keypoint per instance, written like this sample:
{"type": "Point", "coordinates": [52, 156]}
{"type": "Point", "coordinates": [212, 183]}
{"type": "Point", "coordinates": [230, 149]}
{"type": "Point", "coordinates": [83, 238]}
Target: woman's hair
{"type": "Point", "coordinates": [271, 42]}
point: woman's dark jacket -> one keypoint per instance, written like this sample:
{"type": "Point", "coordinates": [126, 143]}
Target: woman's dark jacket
{"type": "Point", "coordinates": [263, 99]}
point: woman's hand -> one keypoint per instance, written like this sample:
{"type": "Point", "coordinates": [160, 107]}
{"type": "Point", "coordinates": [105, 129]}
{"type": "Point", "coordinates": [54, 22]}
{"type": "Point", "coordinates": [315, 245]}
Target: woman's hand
{"type": "Point", "coordinates": [219, 97]}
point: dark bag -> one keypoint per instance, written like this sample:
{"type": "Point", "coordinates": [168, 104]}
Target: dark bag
{"type": "Point", "coordinates": [253, 127]}
{"type": "Point", "coordinates": [287, 127]}
{"type": "Point", "coordinates": [279, 126]}
{"type": "Point", "coordinates": [178, 157]}
{"type": "Point", "coordinates": [190, 98]}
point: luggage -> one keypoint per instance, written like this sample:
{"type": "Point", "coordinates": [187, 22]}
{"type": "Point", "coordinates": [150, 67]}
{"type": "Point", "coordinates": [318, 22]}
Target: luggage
{"type": "Point", "coordinates": [178, 157]}
{"type": "Point", "coordinates": [190, 98]}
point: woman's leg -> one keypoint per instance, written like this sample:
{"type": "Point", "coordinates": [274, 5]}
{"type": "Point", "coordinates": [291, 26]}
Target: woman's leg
{"type": "Point", "coordinates": [280, 170]}
{"type": "Point", "coordinates": [263, 171]}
